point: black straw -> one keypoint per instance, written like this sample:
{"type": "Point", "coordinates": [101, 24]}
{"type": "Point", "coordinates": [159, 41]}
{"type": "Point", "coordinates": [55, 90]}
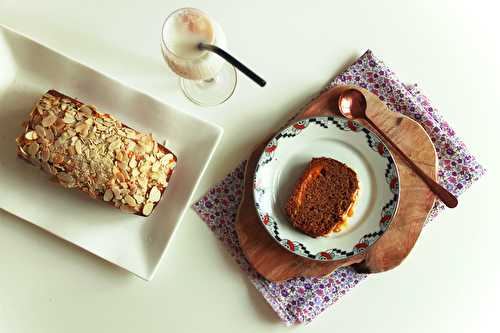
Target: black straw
{"type": "Point", "coordinates": [233, 61]}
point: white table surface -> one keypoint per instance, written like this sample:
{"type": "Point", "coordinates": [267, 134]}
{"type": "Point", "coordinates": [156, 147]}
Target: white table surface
{"type": "Point", "coordinates": [448, 283]}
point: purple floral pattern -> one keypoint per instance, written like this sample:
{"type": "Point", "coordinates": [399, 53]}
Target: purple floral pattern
{"type": "Point", "coordinates": [302, 299]}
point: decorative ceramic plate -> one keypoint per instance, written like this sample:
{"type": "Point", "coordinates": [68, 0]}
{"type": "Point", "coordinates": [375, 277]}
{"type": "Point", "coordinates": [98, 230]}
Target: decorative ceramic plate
{"type": "Point", "coordinates": [284, 160]}
{"type": "Point", "coordinates": [27, 70]}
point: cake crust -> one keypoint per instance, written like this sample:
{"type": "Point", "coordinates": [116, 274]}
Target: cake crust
{"type": "Point", "coordinates": [323, 198]}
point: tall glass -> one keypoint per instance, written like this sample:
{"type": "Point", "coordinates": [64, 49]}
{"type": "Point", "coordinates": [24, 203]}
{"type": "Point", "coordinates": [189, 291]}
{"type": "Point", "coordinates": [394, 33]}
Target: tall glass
{"type": "Point", "coordinates": [205, 78]}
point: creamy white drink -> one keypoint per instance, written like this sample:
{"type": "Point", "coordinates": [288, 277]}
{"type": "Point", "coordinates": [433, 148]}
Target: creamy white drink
{"type": "Point", "coordinates": [182, 32]}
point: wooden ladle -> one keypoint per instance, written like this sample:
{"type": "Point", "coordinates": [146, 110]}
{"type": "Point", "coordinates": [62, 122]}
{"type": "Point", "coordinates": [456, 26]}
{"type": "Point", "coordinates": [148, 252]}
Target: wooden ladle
{"type": "Point", "coordinates": [352, 104]}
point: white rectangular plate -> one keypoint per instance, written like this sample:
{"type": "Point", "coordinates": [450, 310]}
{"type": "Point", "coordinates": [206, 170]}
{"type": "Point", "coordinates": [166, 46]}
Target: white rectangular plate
{"type": "Point", "coordinates": [27, 70]}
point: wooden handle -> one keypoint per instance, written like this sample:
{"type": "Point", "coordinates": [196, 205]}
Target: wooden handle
{"type": "Point", "coordinates": [443, 194]}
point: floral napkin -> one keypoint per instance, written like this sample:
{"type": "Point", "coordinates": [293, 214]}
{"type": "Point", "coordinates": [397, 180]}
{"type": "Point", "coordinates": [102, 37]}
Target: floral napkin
{"type": "Point", "coordinates": [302, 299]}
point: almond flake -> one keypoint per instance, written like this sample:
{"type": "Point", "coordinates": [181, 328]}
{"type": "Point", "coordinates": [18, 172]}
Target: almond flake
{"type": "Point", "coordinates": [135, 173]}
{"type": "Point", "coordinates": [156, 166]}
{"type": "Point", "coordinates": [133, 163]}
{"type": "Point", "coordinates": [114, 145]}
{"type": "Point", "coordinates": [154, 194]}
{"type": "Point", "coordinates": [108, 195]}
{"type": "Point", "coordinates": [33, 149]}
{"type": "Point", "coordinates": [166, 159]}
{"type": "Point", "coordinates": [86, 110]}
{"type": "Point", "coordinates": [69, 119]}
{"type": "Point", "coordinates": [119, 155]}
{"type": "Point", "coordinates": [41, 131]}
{"type": "Point", "coordinates": [144, 168]}
{"type": "Point", "coordinates": [139, 198]}
{"type": "Point", "coordinates": [49, 135]}
{"type": "Point", "coordinates": [143, 182]}
{"type": "Point", "coordinates": [49, 120]}
{"type": "Point", "coordinates": [31, 135]}
{"type": "Point", "coordinates": [66, 178]}
{"type": "Point", "coordinates": [116, 192]}
{"type": "Point", "coordinates": [147, 209]}
{"type": "Point", "coordinates": [81, 127]}
{"type": "Point", "coordinates": [130, 200]}
{"type": "Point", "coordinates": [131, 134]}
{"type": "Point", "coordinates": [45, 154]}
{"type": "Point", "coordinates": [78, 147]}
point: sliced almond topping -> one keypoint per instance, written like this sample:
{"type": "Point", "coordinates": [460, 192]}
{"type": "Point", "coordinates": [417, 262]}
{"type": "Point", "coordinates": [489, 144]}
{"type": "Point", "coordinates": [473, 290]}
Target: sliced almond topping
{"type": "Point", "coordinates": [156, 166]}
{"type": "Point", "coordinates": [130, 200]}
{"type": "Point", "coordinates": [69, 118]}
{"type": "Point", "coordinates": [31, 135]}
{"type": "Point", "coordinates": [120, 177]}
{"type": "Point", "coordinates": [133, 163]}
{"type": "Point", "coordinates": [45, 154]}
{"type": "Point", "coordinates": [119, 155]}
{"type": "Point", "coordinates": [78, 147]}
{"type": "Point", "coordinates": [86, 110]}
{"type": "Point", "coordinates": [116, 192]}
{"type": "Point", "coordinates": [135, 173]}
{"type": "Point", "coordinates": [36, 120]}
{"type": "Point", "coordinates": [49, 135]}
{"type": "Point", "coordinates": [72, 150]}
{"type": "Point", "coordinates": [33, 149]}
{"type": "Point", "coordinates": [89, 121]}
{"type": "Point", "coordinates": [166, 159]}
{"type": "Point", "coordinates": [162, 178]}
{"type": "Point", "coordinates": [93, 151]}
{"type": "Point", "coordinates": [147, 209]}
{"type": "Point", "coordinates": [66, 178]}
{"type": "Point", "coordinates": [123, 166]}
{"type": "Point", "coordinates": [101, 127]}
{"type": "Point", "coordinates": [49, 120]}
{"type": "Point", "coordinates": [139, 198]}
{"type": "Point", "coordinates": [154, 194]}
{"type": "Point", "coordinates": [144, 168]}
{"type": "Point", "coordinates": [143, 182]}
{"type": "Point", "coordinates": [130, 133]}
{"type": "Point", "coordinates": [108, 195]}
{"type": "Point", "coordinates": [114, 145]}
{"type": "Point", "coordinates": [81, 127]}
{"type": "Point", "coordinates": [41, 131]}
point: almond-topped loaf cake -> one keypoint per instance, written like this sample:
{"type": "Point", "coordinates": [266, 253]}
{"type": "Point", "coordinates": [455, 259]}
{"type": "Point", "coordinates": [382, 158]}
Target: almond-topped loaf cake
{"type": "Point", "coordinates": [95, 153]}
{"type": "Point", "coordinates": [323, 198]}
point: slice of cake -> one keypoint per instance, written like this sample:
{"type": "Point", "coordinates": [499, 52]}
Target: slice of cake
{"type": "Point", "coordinates": [323, 198]}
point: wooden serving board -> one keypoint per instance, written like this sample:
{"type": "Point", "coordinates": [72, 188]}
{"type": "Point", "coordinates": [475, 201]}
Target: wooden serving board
{"type": "Point", "coordinates": [416, 200]}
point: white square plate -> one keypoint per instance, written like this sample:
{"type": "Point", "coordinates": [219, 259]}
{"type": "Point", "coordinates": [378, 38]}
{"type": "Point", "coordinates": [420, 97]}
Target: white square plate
{"type": "Point", "coordinates": [27, 70]}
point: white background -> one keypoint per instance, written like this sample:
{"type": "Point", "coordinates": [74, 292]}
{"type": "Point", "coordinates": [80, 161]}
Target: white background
{"type": "Point", "coordinates": [448, 283]}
